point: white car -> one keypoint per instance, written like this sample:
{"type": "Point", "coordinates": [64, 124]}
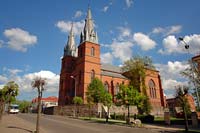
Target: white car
{"type": "Point", "coordinates": [14, 109]}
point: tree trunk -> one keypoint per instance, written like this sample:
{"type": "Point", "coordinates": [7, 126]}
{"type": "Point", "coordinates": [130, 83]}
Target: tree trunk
{"type": "Point", "coordinates": [38, 114]}
{"type": "Point", "coordinates": [128, 119]}
{"type": "Point", "coordinates": [89, 111]}
{"type": "Point", "coordinates": [107, 115]}
{"type": "Point", "coordinates": [128, 112]}
{"type": "Point", "coordinates": [186, 120]}
{"type": "Point", "coordinates": [1, 109]}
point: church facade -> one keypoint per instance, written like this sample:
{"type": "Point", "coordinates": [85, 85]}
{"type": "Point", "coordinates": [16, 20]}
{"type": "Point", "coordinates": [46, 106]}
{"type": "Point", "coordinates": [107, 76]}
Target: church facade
{"type": "Point", "coordinates": [80, 65]}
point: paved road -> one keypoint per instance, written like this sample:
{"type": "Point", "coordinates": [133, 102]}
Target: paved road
{"type": "Point", "coordinates": [60, 124]}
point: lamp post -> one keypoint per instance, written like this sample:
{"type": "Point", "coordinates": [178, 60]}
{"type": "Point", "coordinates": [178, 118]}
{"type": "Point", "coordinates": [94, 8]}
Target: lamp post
{"type": "Point", "coordinates": [197, 94]}
{"type": "Point", "coordinates": [74, 94]}
{"type": "Point", "coordinates": [74, 85]}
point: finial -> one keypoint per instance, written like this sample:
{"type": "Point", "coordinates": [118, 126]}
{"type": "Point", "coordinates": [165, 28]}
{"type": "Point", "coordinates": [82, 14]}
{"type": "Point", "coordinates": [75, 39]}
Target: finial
{"type": "Point", "coordinates": [89, 4]}
{"type": "Point", "coordinates": [71, 31]}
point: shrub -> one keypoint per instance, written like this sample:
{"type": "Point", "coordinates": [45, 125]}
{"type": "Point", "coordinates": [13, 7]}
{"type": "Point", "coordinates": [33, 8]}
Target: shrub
{"type": "Point", "coordinates": [146, 118]}
{"type": "Point", "coordinates": [117, 117]}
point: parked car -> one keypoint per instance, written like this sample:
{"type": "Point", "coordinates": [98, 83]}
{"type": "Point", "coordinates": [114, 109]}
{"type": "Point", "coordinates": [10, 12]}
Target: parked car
{"type": "Point", "coordinates": [14, 109]}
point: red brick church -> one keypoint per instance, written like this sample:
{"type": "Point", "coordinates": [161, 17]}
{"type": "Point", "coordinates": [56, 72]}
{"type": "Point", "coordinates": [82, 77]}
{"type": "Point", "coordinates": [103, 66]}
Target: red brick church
{"type": "Point", "coordinates": [80, 65]}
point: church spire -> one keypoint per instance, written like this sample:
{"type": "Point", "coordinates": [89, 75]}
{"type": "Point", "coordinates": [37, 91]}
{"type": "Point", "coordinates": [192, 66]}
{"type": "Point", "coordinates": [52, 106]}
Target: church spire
{"type": "Point", "coordinates": [70, 48]}
{"type": "Point", "coordinates": [88, 33]}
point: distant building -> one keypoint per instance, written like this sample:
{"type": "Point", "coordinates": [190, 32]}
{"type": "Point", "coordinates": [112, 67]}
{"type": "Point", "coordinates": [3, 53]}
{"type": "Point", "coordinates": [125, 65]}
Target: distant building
{"type": "Point", "coordinates": [80, 65]}
{"type": "Point", "coordinates": [174, 108]}
{"type": "Point", "coordinates": [45, 102]}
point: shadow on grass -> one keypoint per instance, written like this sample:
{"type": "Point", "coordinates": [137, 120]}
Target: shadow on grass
{"type": "Point", "coordinates": [20, 128]}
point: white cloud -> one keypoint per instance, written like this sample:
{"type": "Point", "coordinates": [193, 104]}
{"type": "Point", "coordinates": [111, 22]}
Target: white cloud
{"type": "Point", "coordinates": [78, 14]}
{"type": "Point", "coordinates": [171, 45]}
{"type": "Point", "coordinates": [1, 86]}
{"type": "Point", "coordinates": [124, 32]}
{"type": "Point", "coordinates": [119, 50]}
{"type": "Point", "coordinates": [158, 30]}
{"type": "Point", "coordinates": [25, 80]}
{"type": "Point", "coordinates": [174, 29]}
{"type": "Point", "coordinates": [170, 84]}
{"type": "Point", "coordinates": [171, 77]}
{"type": "Point", "coordinates": [144, 41]}
{"type": "Point", "coordinates": [106, 58]}
{"type": "Point", "coordinates": [51, 78]}
{"type": "Point", "coordinates": [129, 3]}
{"type": "Point", "coordinates": [65, 26]}
{"type": "Point", "coordinates": [122, 50]}
{"type": "Point", "coordinates": [172, 70]}
{"type": "Point", "coordinates": [14, 71]}
{"type": "Point", "coordinates": [3, 79]}
{"type": "Point", "coordinates": [105, 8]}
{"type": "Point", "coordinates": [1, 43]}
{"type": "Point", "coordinates": [194, 42]}
{"type": "Point", "coordinates": [176, 67]}
{"type": "Point", "coordinates": [19, 39]}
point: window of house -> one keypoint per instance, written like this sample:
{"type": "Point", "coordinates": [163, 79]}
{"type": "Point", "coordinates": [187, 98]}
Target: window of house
{"type": "Point", "coordinates": [92, 51]}
{"type": "Point", "coordinates": [152, 89]}
{"type": "Point", "coordinates": [116, 89]}
{"type": "Point", "coordinates": [106, 86]}
{"type": "Point", "coordinates": [92, 75]}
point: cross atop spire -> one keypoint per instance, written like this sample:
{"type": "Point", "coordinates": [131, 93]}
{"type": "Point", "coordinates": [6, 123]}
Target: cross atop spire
{"type": "Point", "coordinates": [70, 48]}
{"type": "Point", "coordinates": [88, 33]}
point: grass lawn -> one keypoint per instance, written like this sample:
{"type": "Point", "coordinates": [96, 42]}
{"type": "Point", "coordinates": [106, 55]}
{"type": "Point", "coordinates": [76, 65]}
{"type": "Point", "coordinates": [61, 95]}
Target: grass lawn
{"type": "Point", "coordinates": [103, 120]}
{"type": "Point", "coordinates": [121, 122]}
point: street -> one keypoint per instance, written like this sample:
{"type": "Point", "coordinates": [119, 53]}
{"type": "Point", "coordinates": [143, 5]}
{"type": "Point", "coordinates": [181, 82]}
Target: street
{"type": "Point", "coordinates": [25, 123]}
{"type": "Point", "coordinates": [62, 124]}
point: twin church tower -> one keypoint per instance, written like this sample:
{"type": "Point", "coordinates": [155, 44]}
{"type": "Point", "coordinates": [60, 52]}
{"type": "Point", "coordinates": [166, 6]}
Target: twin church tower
{"type": "Point", "coordinates": [81, 65]}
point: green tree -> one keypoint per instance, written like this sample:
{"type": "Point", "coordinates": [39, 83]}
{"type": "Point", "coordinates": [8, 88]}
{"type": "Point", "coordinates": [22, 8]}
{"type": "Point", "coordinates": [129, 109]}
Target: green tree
{"type": "Point", "coordinates": [181, 93]}
{"type": "Point", "coordinates": [95, 93]}
{"type": "Point", "coordinates": [135, 70]}
{"type": "Point", "coordinates": [192, 72]}
{"type": "Point", "coordinates": [129, 96]}
{"type": "Point", "coordinates": [7, 95]}
{"type": "Point", "coordinates": [39, 84]}
{"type": "Point", "coordinates": [90, 102]}
{"type": "Point", "coordinates": [96, 90]}
{"type": "Point", "coordinates": [23, 105]}
{"type": "Point", "coordinates": [107, 101]}
{"type": "Point", "coordinates": [77, 101]}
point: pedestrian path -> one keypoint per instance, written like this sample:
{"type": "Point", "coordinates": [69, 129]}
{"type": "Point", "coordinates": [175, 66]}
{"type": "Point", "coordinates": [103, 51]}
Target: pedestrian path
{"type": "Point", "coordinates": [170, 127]}
{"type": "Point", "coordinates": [13, 124]}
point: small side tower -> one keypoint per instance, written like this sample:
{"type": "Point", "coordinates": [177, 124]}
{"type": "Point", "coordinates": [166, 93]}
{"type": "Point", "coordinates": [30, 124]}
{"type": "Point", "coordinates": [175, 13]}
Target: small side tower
{"type": "Point", "coordinates": [68, 65]}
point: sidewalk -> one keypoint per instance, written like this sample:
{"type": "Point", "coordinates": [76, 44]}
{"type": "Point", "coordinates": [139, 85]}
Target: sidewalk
{"type": "Point", "coordinates": [13, 124]}
{"type": "Point", "coordinates": [170, 127]}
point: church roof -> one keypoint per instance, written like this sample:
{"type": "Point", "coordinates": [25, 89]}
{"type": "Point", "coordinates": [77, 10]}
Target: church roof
{"type": "Point", "coordinates": [112, 71]}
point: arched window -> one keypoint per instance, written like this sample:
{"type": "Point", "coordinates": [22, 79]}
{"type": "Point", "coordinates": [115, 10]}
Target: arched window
{"type": "Point", "coordinates": [106, 86]}
{"type": "Point", "coordinates": [92, 75]}
{"type": "Point", "coordinates": [92, 51]}
{"type": "Point", "coordinates": [116, 88]}
{"type": "Point", "coordinates": [152, 89]}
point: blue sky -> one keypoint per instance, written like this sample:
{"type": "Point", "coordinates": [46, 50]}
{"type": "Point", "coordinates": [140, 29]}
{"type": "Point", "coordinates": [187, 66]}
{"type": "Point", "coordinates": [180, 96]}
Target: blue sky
{"type": "Point", "coordinates": [33, 34]}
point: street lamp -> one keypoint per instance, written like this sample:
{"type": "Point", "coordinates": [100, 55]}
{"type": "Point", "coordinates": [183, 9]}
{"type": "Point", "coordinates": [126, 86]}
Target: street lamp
{"type": "Point", "coordinates": [186, 45]}
{"type": "Point", "coordinates": [74, 94]}
{"type": "Point", "coordinates": [75, 85]}
{"type": "Point", "coordinates": [197, 94]}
